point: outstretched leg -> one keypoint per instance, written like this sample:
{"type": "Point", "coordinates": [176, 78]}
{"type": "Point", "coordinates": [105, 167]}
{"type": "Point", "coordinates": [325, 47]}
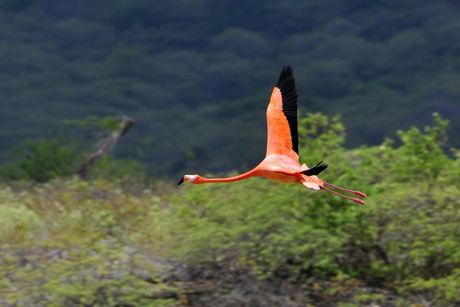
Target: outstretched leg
{"type": "Point", "coordinates": [357, 193]}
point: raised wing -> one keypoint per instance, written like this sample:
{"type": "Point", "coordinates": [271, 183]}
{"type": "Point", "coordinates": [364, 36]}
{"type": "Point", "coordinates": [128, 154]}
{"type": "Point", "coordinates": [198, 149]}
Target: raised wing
{"type": "Point", "coordinates": [282, 136]}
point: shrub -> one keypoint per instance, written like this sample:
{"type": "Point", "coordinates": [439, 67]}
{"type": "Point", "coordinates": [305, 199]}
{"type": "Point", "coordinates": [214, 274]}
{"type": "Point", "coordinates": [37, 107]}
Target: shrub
{"type": "Point", "coordinates": [63, 245]}
{"type": "Point", "coordinates": [255, 242]}
{"type": "Point", "coordinates": [41, 160]}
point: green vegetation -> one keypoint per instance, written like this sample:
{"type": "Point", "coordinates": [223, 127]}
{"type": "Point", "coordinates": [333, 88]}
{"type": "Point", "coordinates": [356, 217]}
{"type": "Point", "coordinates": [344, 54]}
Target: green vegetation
{"type": "Point", "coordinates": [251, 243]}
{"type": "Point", "coordinates": [202, 71]}
{"type": "Point", "coordinates": [40, 160]}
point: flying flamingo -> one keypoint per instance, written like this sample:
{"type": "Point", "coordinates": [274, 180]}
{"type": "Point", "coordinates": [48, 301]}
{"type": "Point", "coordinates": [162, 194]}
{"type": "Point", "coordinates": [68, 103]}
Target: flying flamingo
{"type": "Point", "coordinates": [281, 162]}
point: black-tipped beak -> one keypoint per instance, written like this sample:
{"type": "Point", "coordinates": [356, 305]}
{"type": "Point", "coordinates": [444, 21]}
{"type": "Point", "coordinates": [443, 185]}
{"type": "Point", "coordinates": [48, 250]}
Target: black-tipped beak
{"type": "Point", "coordinates": [181, 181]}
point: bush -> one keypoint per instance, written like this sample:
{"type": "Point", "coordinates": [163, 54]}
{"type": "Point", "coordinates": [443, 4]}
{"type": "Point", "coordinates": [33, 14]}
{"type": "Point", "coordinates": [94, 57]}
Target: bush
{"type": "Point", "coordinates": [41, 160]}
{"type": "Point", "coordinates": [251, 243]}
{"type": "Point", "coordinates": [63, 245]}
{"type": "Point", "coordinates": [46, 159]}
{"type": "Point", "coordinates": [407, 233]}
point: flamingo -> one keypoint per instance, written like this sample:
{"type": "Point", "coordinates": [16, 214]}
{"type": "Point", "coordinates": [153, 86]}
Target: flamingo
{"type": "Point", "coordinates": [281, 161]}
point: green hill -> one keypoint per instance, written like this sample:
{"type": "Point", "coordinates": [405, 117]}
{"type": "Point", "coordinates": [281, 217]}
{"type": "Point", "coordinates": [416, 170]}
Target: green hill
{"type": "Point", "coordinates": [202, 71]}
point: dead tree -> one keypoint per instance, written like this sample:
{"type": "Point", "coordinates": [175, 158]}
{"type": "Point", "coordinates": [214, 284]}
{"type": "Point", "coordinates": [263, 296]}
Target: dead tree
{"type": "Point", "coordinates": [108, 144]}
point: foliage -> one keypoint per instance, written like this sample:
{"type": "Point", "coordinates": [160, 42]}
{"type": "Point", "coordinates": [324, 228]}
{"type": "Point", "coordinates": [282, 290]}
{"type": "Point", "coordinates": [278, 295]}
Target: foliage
{"type": "Point", "coordinates": [66, 248]}
{"type": "Point", "coordinates": [126, 170]}
{"type": "Point", "coordinates": [422, 154]}
{"type": "Point", "coordinates": [41, 160]}
{"type": "Point", "coordinates": [46, 159]}
{"type": "Point", "coordinates": [107, 123]}
{"type": "Point", "coordinates": [441, 290]}
{"type": "Point", "coordinates": [272, 230]}
{"type": "Point", "coordinates": [251, 243]}
{"type": "Point", "coordinates": [202, 70]}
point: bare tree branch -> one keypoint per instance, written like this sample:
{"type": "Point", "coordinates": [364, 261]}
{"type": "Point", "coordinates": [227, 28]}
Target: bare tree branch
{"type": "Point", "coordinates": [126, 124]}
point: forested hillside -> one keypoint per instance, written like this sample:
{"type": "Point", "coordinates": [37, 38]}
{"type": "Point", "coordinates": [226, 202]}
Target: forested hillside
{"type": "Point", "coordinates": [202, 71]}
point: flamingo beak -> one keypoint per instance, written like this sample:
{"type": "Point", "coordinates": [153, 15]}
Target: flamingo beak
{"type": "Point", "coordinates": [181, 181]}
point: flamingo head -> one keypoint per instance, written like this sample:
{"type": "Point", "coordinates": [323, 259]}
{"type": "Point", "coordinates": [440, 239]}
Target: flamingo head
{"type": "Point", "coordinates": [190, 178]}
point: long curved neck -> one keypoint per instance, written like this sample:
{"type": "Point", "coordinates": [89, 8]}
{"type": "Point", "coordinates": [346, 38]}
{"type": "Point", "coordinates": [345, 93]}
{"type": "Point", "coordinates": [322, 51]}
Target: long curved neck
{"type": "Point", "coordinates": [251, 173]}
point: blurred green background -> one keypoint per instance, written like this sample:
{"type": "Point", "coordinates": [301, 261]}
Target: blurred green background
{"type": "Point", "coordinates": [202, 71]}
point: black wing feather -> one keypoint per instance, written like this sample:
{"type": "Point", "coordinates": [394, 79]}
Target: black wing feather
{"type": "Point", "coordinates": [315, 170]}
{"type": "Point", "coordinates": [286, 84]}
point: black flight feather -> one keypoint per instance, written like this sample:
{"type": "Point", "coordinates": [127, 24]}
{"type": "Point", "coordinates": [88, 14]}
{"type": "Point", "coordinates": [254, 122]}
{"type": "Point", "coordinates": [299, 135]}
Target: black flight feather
{"type": "Point", "coordinates": [286, 84]}
{"type": "Point", "coordinates": [315, 170]}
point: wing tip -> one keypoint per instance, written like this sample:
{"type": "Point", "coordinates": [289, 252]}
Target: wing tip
{"type": "Point", "coordinates": [286, 84]}
{"type": "Point", "coordinates": [286, 74]}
